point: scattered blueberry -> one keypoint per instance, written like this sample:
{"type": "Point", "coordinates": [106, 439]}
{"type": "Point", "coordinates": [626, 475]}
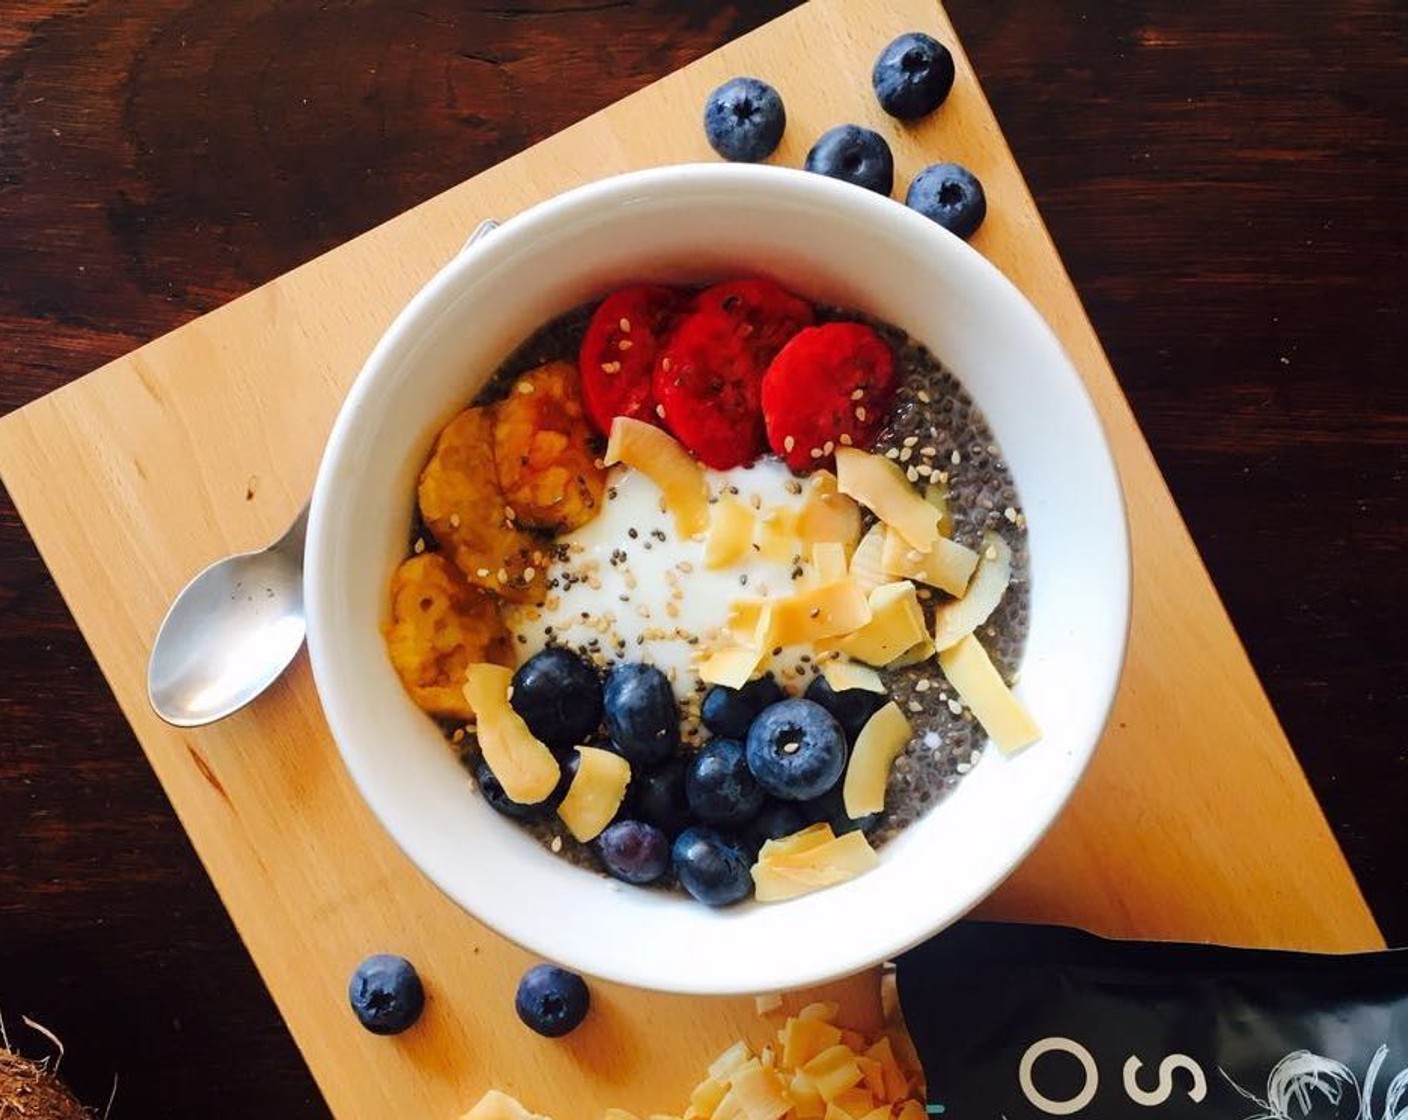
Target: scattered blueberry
{"type": "Point", "coordinates": [912, 76]}
{"type": "Point", "coordinates": [720, 787]}
{"type": "Point", "coordinates": [634, 851]}
{"type": "Point", "coordinates": [551, 1000]}
{"type": "Point", "coordinates": [711, 867]}
{"type": "Point", "coordinates": [744, 120]}
{"type": "Point", "coordinates": [658, 797]}
{"type": "Point", "coordinates": [386, 994]}
{"type": "Point", "coordinates": [856, 155]}
{"type": "Point", "coordinates": [852, 707]}
{"type": "Point", "coordinates": [559, 697]}
{"type": "Point", "coordinates": [796, 750]}
{"type": "Point", "coordinates": [642, 717]}
{"type": "Point", "coordinates": [831, 808]}
{"type": "Point", "coordinates": [951, 195]}
{"type": "Point", "coordinates": [728, 711]}
{"type": "Point", "coordinates": [498, 800]}
{"type": "Point", "coordinates": [775, 820]}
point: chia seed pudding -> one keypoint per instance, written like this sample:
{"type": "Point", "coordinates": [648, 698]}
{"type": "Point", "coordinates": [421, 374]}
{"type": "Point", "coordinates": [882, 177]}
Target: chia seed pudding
{"type": "Point", "coordinates": [935, 434]}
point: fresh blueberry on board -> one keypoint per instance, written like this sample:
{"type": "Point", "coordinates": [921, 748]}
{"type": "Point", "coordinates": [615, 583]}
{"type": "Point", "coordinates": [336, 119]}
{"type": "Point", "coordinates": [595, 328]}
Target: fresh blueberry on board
{"type": "Point", "coordinates": [559, 697]}
{"type": "Point", "coordinates": [658, 796]}
{"type": "Point", "coordinates": [634, 851]}
{"type": "Point", "coordinates": [775, 820]}
{"type": "Point", "coordinates": [551, 1001]}
{"type": "Point", "coordinates": [831, 808]}
{"type": "Point", "coordinates": [912, 76]}
{"type": "Point", "coordinates": [744, 120]}
{"type": "Point", "coordinates": [852, 707]}
{"type": "Point", "coordinates": [710, 866]}
{"type": "Point", "coordinates": [642, 716]}
{"type": "Point", "coordinates": [719, 786]}
{"type": "Point", "coordinates": [728, 711]}
{"type": "Point", "coordinates": [386, 994]}
{"type": "Point", "coordinates": [951, 195]}
{"type": "Point", "coordinates": [796, 750]}
{"type": "Point", "coordinates": [856, 155]}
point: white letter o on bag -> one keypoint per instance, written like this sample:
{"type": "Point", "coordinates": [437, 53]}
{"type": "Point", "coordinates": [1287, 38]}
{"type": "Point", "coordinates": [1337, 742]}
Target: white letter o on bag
{"type": "Point", "coordinates": [1045, 1103]}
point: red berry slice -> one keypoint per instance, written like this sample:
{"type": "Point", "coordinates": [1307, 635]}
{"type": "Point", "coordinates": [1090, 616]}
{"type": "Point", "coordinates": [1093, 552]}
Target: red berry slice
{"type": "Point", "coordinates": [708, 379]}
{"type": "Point", "coordinates": [619, 350]}
{"type": "Point", "coordinates": [830, 386]}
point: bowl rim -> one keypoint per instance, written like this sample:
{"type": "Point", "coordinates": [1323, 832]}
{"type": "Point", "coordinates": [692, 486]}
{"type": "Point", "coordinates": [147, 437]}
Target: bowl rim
{"type": "Point", "coordinates": [539, 219]}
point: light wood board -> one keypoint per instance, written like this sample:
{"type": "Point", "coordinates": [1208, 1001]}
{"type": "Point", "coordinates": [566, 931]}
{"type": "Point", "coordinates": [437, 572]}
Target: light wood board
{"type": "Point", "coordinates": [1195, 821]}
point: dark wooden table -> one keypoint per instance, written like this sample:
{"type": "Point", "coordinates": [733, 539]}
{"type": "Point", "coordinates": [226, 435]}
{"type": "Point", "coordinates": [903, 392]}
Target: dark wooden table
{"type": "Point", "coordinates": [1228, 190]}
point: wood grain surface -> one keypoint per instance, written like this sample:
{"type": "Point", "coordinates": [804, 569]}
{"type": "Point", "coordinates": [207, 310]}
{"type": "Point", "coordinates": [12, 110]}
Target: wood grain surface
{"type": "Point", "coordinates": [1227, 192]}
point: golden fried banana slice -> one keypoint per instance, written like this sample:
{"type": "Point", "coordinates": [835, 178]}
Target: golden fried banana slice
{"type": "Point", "coordinates": [439, 625]}
{"type": "Point", "coordinates": [550, 475]}
{"type": "Point", "coordinates": [464, 508]}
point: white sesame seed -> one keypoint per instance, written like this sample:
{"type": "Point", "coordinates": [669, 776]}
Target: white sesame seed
{"type": "Point", "coordinates": [528, 574]}
{"type": "Point", "coordinates": [857, 394]}
{"type": "Point", "coordinates": [915, 706]}
{"type": "Point", "coordinates": [660, 411]}
{"type": "Point", "coordinates": [910, 441]}
{"type": "Point", "coordinates": [845, 439]}
{"type": "Point", "coordinates": [481, 572]}
{"type": "Point", "coordinates": [454, 521]}
{"type": "Point", "coordinates": [666, 364]}
{"type": "Point", "coordinates": [503, 575]}
{"type": "Point", "coordinates": [954, 706]}
{"type": "Point", "coordinates": [788, 444]}
{"type": "Point", "coordinates": [828, 447]}
{"type": "Point", "coordinates": [911, 474]}
{"type": "Point", "coordinates": [556, 844]}
{"type": "Point", "coordinates": [860, 413]}
{"type": "Point", "coordinates": [610, 367]}
{"type": "Point", "coordinates": [906, 454]}
{"type": "Point", "coordinates": [928, 452]}
{"type": "Point", "coordinates": [525, 387]}
{"type": "Point", "coordinates": [419, 547]}
{"type": "Point", "coordinates": [1010, 514]}
{"type": "Point", "coordinates": [815, 453]}
{"type": "Point", "coordinates": [922, 686]}
{"type": "Point", "coordinates": [893, 453]}
{"type": "Point", "coordinates": [624, 344]}
{"type": "Point", "coordinates": [955, 458]}
{"type": "Point", "coordinates": [924, 396]}
{"type": "Point", "coordinates": [625, 325]}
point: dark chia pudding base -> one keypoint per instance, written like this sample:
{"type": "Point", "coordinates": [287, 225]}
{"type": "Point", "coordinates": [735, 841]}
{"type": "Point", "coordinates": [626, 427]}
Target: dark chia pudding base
{"type": "Point", "coordinates": [936, 434]}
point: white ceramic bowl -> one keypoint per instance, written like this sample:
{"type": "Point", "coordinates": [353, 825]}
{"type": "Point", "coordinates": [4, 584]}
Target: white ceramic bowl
{"type": "Point", "coordinates": [830, 242]}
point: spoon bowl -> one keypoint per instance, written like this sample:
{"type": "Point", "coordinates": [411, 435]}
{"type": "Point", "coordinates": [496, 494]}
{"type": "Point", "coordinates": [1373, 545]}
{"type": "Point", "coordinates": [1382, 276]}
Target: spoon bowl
{"type": "Point", "coordinates": [230, 633]}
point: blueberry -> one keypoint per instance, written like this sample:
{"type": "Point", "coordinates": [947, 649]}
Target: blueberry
{"type": "Point", "coordinates": [720, 787]}
{"type": "Point", "coordinates": [498, 800]}
{"type": "Point", "coordinates": [831, 808]}
{"type": "Point", "coordinates": [642, 717]}
{"type": "Point", "coordinates": [658, 797]}
{"type": "Point", "coordinates": [796, 750]}
{"type": "Point", "coordinates": [951, 195]}
{"type": "Point", "coordinates": [912, 76]}
{"type": "Point", "coordinates": [775, 820]}
{"type": "Point", "coordinates": [711, 867]}
{"type": "Point", "coordinates": [856, 155]}
{"type": "Point", "coordinates": [744, 120]}
{"type": "Point", "coordinates": [728, 711]}
{"type": "Point", "coordinates": [493, 791]}
{"type": "Point", "coordinates": [386, 994]}
{"type": "Point", "coordinates": [634, 851]}
{"type": "Point", "coordinates": [551, 1000]}
{"type": "Point", "coordinates": [559, 697]}
{"type": "Point", "coordinates": [852, 707]}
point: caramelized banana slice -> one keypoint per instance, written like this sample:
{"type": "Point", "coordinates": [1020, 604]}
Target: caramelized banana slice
{"type": "Point", "coordinates": [463, 506]}
{"type": "Point", "coordinates": [549, 474]}
{"type": "Point", "coordinates": [439, 625]}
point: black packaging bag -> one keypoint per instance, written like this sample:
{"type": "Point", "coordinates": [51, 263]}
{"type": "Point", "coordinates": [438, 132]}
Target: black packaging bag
{"type": "Point", "coordinates": [1018, 1022]}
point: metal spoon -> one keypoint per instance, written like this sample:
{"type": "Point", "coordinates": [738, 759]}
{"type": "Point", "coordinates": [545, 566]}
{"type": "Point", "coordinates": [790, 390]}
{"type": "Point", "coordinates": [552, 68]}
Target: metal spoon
{"type": "Point", "coordinates": [230, 633]}
{"type": "Point", "coordinates": [235, 627]}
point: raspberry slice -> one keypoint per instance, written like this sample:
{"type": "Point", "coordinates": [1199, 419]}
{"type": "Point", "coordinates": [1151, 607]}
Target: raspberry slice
{"type": "Point", "coordinates": [619, 350]}
{"type": "Point", "coordinates": [708, 378]}
{"type": "Point", "coordinates": [830, 386]}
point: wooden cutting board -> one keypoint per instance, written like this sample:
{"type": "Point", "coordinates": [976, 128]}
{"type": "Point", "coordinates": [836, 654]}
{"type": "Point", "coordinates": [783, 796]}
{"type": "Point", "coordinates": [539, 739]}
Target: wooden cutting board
{"type": "Point", "coordinates": [1195, 821]}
